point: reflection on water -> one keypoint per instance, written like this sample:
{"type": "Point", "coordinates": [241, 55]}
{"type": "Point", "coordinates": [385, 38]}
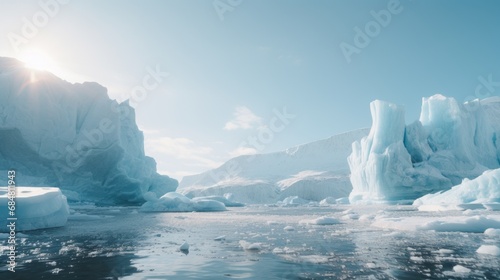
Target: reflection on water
{"type": "Point", "coordinates": [87, 249]}
{"type": "Point", "coordinates": [120, 243]}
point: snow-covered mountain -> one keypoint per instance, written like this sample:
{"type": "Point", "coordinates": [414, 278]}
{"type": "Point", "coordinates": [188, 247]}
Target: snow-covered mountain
{"type": "Point", "coordinates": [72, 136]}
{"type": "Point", "coordinates": [311, 171]}
{"type": "Point", "coordinates": [450, 142]}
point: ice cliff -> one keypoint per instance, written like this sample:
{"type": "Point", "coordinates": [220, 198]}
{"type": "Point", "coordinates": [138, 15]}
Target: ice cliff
{"type": "Point", "coordinates": [72, 136]}
{"type": "Point", "coordinates": [450, 142]}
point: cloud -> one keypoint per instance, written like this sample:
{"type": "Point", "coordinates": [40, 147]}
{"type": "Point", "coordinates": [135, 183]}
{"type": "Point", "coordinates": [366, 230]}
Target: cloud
{"type": "Point", "coordinates": [242, 151]}
{"type": "Point", "coordinates": [243, 118]}
{"type": "Point", "coordinates": [182, 149]}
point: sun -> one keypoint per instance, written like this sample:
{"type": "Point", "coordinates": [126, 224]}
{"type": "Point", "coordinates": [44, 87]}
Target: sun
{"type": "Point", "coordinates": [37, 60]}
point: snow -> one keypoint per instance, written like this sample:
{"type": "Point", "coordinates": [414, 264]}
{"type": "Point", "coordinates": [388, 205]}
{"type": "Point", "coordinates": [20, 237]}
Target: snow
{"type": "Point", "coordinates": [176, 202]}
{"type": "Point", "coordinates": [36, 208]}
{"type": "Point", "coordinates": [74, 137]}
{"type": "Point", "coordinates": [484, 189]}
{"type": "Point", "coordinates": [450, 142]}
{"type": "Point", "coordinates": [489, 250]}
{"type": "Point", "coordinates": [311, 171]}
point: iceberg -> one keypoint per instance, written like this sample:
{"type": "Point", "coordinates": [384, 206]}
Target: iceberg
{"type": "Point", "coordinates": [35, 208]}
{"type": "Point", "coordinates": [176, 202]}
{"type": "Point", "coordinates": [72, 136]}
{"type": "Point", "coordinates": [224, 200]}
{"type": "Point", "coordinates": [311, 171]}
{"type": "Point", "coordinates": [450, 142]}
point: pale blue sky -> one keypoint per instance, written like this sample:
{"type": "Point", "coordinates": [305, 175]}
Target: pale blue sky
{"type": "Point", "coordinates": [264, 55]}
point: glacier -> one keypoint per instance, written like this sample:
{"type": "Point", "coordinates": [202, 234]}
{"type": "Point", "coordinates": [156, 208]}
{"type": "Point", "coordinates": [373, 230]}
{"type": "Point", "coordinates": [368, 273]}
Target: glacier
{"type": "Point", "coordinates": [312, 171]}
{"type": "Point", "coordinates": [449, 143]}
{"type": "Point", "coordinates": [74, 137]}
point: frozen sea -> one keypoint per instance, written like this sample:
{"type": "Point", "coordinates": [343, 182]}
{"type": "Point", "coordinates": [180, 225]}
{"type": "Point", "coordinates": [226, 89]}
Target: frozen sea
{"type": "Point", "coordinates": [123, 243]}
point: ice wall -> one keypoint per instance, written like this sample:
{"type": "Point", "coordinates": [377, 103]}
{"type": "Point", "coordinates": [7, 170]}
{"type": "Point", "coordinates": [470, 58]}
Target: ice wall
{"type": "Point", "coordinates": [72, 136]}
{"type": "Point", "coordinates": [450, 142]}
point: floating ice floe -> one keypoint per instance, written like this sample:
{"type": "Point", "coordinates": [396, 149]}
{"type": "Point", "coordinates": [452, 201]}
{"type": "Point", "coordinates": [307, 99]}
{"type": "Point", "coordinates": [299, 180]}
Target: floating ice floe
{"type": "Point", "coordinates": [226, 201]}
{"type": "Point", "coordinates": [35, 208]}
{"type": "Point", "coordinates": [489, 250]}
{"type": "Point", "coordinates": [492, 232]}
{"type": "Point", "coordinates": [325, 220]}
{"type": "Point", "coordinates": [334, 201]}
{"type": "Point", "coordinates": [451, 223]}
{"type": "Point", "coordinates": [250, 246]}
{"type": "Point", "coordinates": [176, 202]}
{"type": "Point", "coordinates": [461, 269]}
{"type": "Point", "coordinates": [220, 238]}
{"type": "Point", "coordinates": [293, 201]}
{"type": "Point", "coordinates": [184, 246]}
{"type": "Point", "coordinates": [288, 228]}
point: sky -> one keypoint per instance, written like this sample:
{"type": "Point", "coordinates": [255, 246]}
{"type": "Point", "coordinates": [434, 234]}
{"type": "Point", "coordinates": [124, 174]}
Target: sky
{"type": "Point", "coordinates": [213, 79]}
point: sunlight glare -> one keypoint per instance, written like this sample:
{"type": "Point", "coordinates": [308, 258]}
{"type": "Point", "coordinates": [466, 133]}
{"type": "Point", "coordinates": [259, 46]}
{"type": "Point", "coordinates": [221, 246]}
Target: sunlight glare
{"type": "Point", "coordinates": [37, 60]}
